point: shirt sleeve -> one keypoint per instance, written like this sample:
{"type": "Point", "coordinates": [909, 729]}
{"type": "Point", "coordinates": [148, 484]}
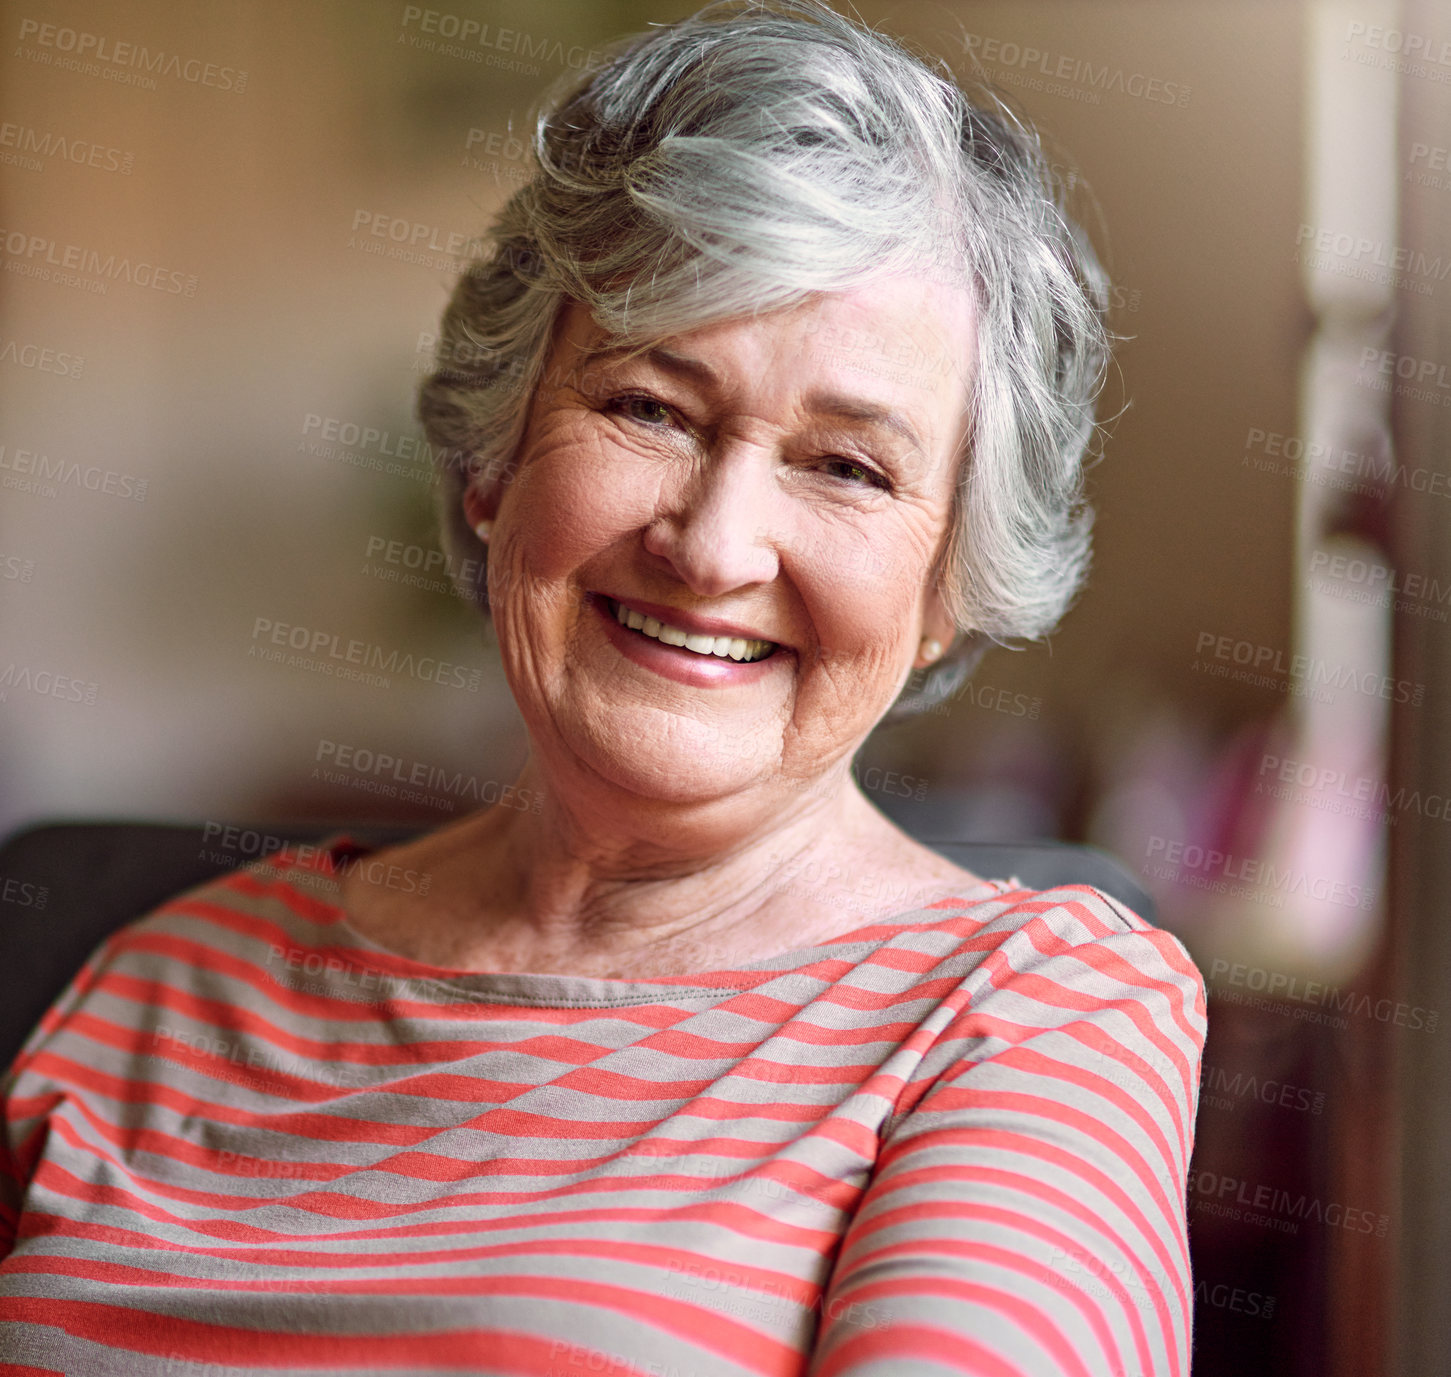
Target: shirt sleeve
{"type": "Point", "coordinates": [1027, 1213]}
{"type": "Point", "coordinates": [26, 1100]}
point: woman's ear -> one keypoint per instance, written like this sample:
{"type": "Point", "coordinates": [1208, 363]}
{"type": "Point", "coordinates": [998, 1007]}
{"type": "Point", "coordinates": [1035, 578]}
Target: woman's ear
{"type": "Point", "coordinates": [938, 631]}
{"type": "Point", "coordinates": [481, 506]}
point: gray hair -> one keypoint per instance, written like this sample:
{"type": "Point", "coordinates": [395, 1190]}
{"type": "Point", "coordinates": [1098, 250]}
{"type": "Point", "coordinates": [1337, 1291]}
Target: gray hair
{"type": "Point", "coordinates": [740, 161]}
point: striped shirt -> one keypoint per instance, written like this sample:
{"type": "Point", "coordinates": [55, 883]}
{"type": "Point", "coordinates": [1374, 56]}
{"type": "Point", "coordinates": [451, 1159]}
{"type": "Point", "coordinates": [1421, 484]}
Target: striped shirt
{"type": "Point", "coordinates": [249, 1140]}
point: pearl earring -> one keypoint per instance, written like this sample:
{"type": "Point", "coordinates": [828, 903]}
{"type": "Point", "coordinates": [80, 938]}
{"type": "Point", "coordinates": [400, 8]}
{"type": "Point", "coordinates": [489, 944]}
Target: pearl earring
{"type": "Point", "coordinates": [930, 649]}
{"type": "Point", "coordinates": [484, 529]}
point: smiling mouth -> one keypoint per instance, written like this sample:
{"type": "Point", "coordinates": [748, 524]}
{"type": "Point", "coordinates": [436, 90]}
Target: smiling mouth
{"type": "Point", "coordinates": [719, 647]}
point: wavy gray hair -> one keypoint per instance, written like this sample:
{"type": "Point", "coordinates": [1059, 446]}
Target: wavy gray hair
{"type": "Point", "coordinates": [752, 155]}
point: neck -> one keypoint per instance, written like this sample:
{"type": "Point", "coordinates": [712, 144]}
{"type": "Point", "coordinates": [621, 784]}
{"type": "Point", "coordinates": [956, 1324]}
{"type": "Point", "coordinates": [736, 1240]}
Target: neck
{"type": "Point", "coordinates": [595, 883]}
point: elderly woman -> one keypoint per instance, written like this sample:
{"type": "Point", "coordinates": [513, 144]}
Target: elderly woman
{"type": "Point", "coordinates": [780, 374]}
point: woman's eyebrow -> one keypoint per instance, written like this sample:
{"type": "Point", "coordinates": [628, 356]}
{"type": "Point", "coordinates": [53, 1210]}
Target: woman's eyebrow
{"type": "Point", "coordinates": [667, 360]}
{"type": "Point", "coordinates": [868, 413]}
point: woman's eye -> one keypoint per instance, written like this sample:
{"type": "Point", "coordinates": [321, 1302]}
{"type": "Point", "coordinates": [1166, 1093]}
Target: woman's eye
{"type": "Point", "coordinates": [851, 471]}
{"type": "Point", "coordinates": [645, 409]}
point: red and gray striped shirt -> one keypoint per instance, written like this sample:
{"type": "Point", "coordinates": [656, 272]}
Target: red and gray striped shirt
{"type": "Point", "coordinates": [248, 1140]}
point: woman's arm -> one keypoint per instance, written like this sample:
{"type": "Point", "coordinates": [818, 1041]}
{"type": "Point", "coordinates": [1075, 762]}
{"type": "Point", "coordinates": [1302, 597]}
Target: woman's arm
{"type": "Point", "coordinates": [23, 1114]}
{"type": "Point", "coordinates": [1027, 1213]}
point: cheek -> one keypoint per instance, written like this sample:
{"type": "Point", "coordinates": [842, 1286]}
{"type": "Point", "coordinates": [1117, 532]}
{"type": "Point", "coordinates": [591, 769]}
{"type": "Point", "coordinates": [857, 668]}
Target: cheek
{"type": "Point", "coordinates": [861, 646]}
{"type": "Point", "coordinates": [863, 594]}
{"type": "Point", "coordinates": [853, 625]}
{"type": "Point", "coordinates": [574, 497]}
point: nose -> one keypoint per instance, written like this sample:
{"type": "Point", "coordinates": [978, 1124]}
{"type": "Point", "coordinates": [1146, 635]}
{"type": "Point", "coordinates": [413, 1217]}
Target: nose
{"type": "Point", "coordinates": [714, 530]}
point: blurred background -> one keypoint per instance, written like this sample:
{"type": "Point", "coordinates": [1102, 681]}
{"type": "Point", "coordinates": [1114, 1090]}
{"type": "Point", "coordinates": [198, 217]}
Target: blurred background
{"type": "Point", "coordinates": [227, 233]}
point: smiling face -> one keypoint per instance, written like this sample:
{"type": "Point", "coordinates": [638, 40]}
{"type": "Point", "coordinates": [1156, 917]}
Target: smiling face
{"type": "Point", "coordinates": [785, 478]}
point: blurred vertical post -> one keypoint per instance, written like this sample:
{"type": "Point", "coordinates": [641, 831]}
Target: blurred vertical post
{"type": "Point", "coordinates": [1421, 855]}
{"type": "Point", "coordinates": [1343, 244]}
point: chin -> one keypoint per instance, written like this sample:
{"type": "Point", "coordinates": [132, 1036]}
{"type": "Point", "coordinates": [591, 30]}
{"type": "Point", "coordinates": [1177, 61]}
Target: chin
{"type": "Point", "coordinates": [672, 759]}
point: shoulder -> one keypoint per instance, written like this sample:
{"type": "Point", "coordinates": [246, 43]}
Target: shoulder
{"type": "Point", "coordinates": [1072, 913]}
{"type": "Point", "coordinates": [1001, 912]}
{"type": "Point", "coordinates": [1037, 958]}
{"type": "Point", "coordinates": [235, 941]}
{"type": "Point", "coordinates": [1030, 959]}
{"type": "Point", "coordinates": [1087, 938]}
{"type": "Point", "coordinates": [1069, 983]}
{"type": "Point", "coordinates": [293, 889]}
{"type": "Point", "coordinates": [237, 928]}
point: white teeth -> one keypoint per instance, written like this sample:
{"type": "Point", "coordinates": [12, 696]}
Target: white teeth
{"type": "Point", "coordinates": [724, 647]}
